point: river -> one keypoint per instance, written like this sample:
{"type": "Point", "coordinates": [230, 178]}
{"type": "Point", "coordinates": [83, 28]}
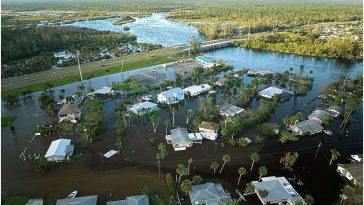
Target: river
{"type": "Point", "coordinates": [127, 173]}
{"type": "Point", "coordinates": [154, 29]}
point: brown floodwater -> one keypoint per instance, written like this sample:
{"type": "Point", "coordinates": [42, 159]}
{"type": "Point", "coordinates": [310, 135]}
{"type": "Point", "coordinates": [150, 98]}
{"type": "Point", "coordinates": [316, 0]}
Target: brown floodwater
{"type": "Point", "coordinates": [125, 174]}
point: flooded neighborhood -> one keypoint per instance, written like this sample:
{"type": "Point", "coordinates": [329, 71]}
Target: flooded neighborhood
{"type": "Point", "coordinates": [177, 116]}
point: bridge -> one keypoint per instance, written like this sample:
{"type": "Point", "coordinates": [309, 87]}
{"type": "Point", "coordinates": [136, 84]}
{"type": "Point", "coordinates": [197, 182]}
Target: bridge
{"type": "Point", "coordinates": [59, 73]}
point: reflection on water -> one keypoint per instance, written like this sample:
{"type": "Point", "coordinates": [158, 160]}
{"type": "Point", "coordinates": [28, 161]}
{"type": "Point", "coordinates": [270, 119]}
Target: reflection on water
{"type": "Point", "coordinates": [155, 29]}
{"type": "Point", "coordinates": [122, 168]}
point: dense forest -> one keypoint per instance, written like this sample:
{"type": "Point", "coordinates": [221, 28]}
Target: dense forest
{"type": "Point", "coordinates": [31, 50]}
{"type": "Point", "coordinates": [226, 20]}
{"type": "Point", "coordinates": [304, 42]}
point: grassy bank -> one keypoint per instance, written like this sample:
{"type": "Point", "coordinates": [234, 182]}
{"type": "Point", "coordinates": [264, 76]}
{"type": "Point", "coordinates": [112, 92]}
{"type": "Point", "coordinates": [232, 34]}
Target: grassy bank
{"type": "Point", "coordinates": [15, 200]}
{"type": "Point", "coordinates": [7, 120]}
{"type": "Point", "coordinates": [92, 74]}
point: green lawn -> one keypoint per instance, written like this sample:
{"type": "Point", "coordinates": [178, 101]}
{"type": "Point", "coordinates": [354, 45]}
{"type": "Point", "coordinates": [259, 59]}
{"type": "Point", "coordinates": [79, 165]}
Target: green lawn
{"type": "Point", "coordinates": [7, 120]}
{"type": "Point", "coordinates": [157, 201]}
{"type": "Point", "coordinates": [15, 200]}
{"type": "Point", "coordinates": [93, 74]}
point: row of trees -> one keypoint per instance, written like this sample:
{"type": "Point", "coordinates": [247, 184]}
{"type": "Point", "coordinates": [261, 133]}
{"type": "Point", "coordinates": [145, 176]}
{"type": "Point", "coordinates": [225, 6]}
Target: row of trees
{"type": "Point", "coordinates": [287, 42]}
{"type": "Point", "coordinates": [226, 20]}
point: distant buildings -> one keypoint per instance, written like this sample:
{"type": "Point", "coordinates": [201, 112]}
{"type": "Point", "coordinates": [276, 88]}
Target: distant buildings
{"type": "Point", "coordinates": [208, 194]}
{"type": "Point", "coordinates": [273, 91]}
{"type": "Point", "coordinates": [208, 130]}
{"type": "Point", "coordinates": [319, 116]}
{"type": "Point", "coordinates": [205, 61]}
{"type": "Point", "coordinates": [181, 139]}
{"type": "Point", "coordinates": [69, 112]}
{"type": "Point", "coordinates": [306, 127]}
{"type": "Point", "coordinates": [59, 150]}
{"type": "Point", "coordinates": [220, 82]}
{"type": "Point", "coordinates": [353, 172]}
{"type": "Point", "coordinates": [131, 200]}
{"type": "Point", "coordinates": [280, 191]}
{"type": "Point", "coordinates": [171, 96]}
{"type": "Point", "coordinates": [84, 200]}
{"type": "Point", "coordinates": [232, 110]}
{"type": "Point", "coordinates": [143, 108]}
{"type": "Point", "coordinates": [335, 110]}
{"type": "Point", "coordinates": [195, 90]}
{"type": "Point", "coordinates": [258, 72]}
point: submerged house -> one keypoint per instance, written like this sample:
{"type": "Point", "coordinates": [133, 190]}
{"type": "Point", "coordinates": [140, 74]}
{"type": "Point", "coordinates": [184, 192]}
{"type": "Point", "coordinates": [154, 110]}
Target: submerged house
{"type": "Point", "coordinates": [195, 90]}
{"type": "Point", "coordinates": [205, 61]}
{"type": "Point", "coordinates": [319, 116]}
{"type": "Point", "coordinates": [171, 96]}
{"type": "Point", "coordinates": [258, 72]}
{"type": "Point", "coordinates": [208, 130]}
{"type": "Point", "coordinates": [143, 108]}
{"type": "Point", "coordinates": [306, 127]}
{"type": "Point", "coordinates": [271, 92]}
{"type": "Point", "coordinates": [232, 110]}
{"type": "Point", "coordinates": [69, 112]}
{"type": "Point", "coordinates": [208, 194]}
{"type": "Point", "coordinates": [131, 200]}
{"type": "Point", "coordinates": [353, 172]}
{"type": "Point", "coordinates": [59, 150]}
{"type": "Point", "coordinates": [84, 200]}
{"type": "Point", "coordinates": [181, 139]}
{"type": "Point", "coordinates": [335, 110]}
{"type": "Point", "coordinates": [220, 82]}
{"type": "Point", "coordinates": [280, 191]}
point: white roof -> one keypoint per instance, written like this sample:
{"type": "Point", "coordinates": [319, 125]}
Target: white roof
{"type": "Point", "coordinates": [197, 88]}
{"type": "Point", "coordinates": [58, 148]}
{"type": "Point", "coordinates": [110, 153]}
{"type": "Point", "coordinates": [271, 91]}
{"type": "Point", "coordinates": [142, 105]}
{"type": "Point", "coordinates": [103, 90]}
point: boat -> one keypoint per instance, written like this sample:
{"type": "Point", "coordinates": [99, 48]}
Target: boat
{"type": "Point", "coordinates": [328, 132]}
{"type": "Point", "coordinates": [154, 70]}
{"type": "Point", "coordinates": [72, 195]}
{"type": "Point", "coordinates": [356, 158]}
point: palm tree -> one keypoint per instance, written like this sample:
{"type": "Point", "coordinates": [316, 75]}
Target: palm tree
{"type": "Point", "coordinates": [334, 155]}
{"type": "Point", "coordinates": [226, 158]}
{"type": "Point", "coordinates": [189, 115]}
{"type": "Point", "coordinates": [241, 171]}
{"type": "Point", "coordinates": [186, 186]}
{"type": "Point", "coordinates": [214, 165]}
{"type": "Point", "coordinates": [173, 113]}
{"type": "Point", "coordinates": [189, 164]}
{"type": "Point", "coordinates": [254, 157]}
{"type": "Point", "coordinates": [288, 160]}
{"type": "Point", "coordinates": [181, 171]}
{"type": "Point", "coordinates": [262, 172]}
{"type": "Point", "coordinates": [167, 122]}
{"type": "Point", "coordinates": [155, 121]}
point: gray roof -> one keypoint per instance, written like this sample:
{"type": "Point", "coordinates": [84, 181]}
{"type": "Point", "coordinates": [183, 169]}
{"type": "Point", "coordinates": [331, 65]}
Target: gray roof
{"type": "Point", "coordinates": [208, 194]}
{"type": "Point", "coordinates": [171, 93]}
{"type": "Point", "coordinates": [231, 110]}
{"type": "Point", "coordinates": [35, 202]}
{"type": "Point", "coordinates": [336, 108]}
{"type": "Point", "coordinates": [308, 125]}
{"type": "Point", "coordinates": [279, 190]}
{"type": "Point", "coordinates": [131, 200]}
{"type": "Point", "coordinates": [84, 200]}
{"type": "Point", "coordinates": [179, 135]}
{"type": "Point", "coordinates": [320, 114]}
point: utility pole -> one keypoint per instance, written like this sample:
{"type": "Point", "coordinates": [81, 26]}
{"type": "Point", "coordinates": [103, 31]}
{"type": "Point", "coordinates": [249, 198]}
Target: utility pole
{"type": "Point", "coordinates": [189, 46]}
{"type": "Point", "coordinates": [249, 33]}
{"type": "Point", "coordinates": [79, 65]}
{"type": "Point", "coordinates": [122, 68]}
{"type": "Point", "coordinates": [318, 147]}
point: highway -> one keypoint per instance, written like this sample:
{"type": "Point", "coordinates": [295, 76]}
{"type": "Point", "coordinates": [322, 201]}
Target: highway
{"type": "Point", "coordinates": [59, 73]}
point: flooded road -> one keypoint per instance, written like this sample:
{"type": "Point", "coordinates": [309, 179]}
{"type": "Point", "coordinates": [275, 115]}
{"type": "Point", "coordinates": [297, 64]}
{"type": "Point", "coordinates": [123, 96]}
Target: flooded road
{"type": "Point", "coordinates": [155, 29]}
{"type": "Point", "coordinates": [126, 174]}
